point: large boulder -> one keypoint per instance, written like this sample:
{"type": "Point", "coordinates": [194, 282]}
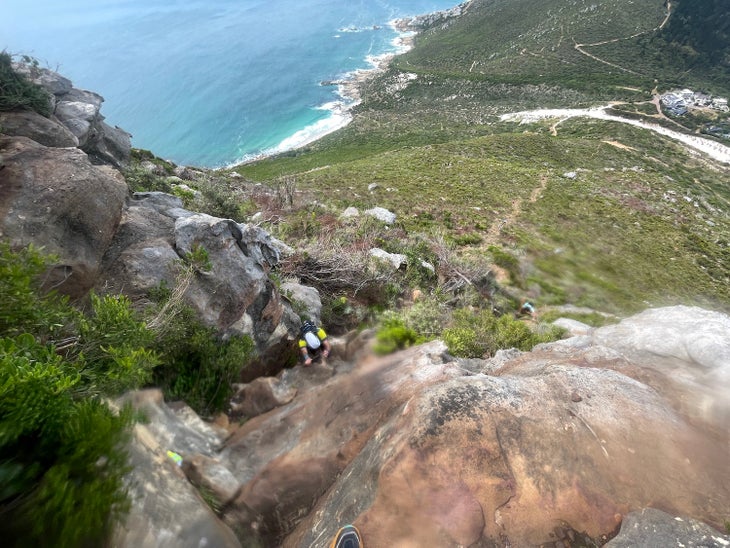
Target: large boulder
{"type": "Point", "coordinates": [46, 131]}
{"type": "Point", "coordinates": [79, 111]}
{"type": "Point", "coordinates": [233, 293]}
{"type": "Point", "coordinates": [56, 199]}
{"type": "Point", "coordinates": [562, 441]}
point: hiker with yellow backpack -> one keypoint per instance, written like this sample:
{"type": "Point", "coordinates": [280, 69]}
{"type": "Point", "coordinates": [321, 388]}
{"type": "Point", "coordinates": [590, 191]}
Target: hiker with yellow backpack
{"type": "Point", "coordinates": [313, 343]}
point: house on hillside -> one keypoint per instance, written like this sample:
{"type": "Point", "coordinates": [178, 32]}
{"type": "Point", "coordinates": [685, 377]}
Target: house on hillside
{"type": "Point", "coordinates": [720, 103]}
{"type": "Point", "coordinates": [702, 99]}
{"type": "Point", "coordinates": [688, 95]}
{"type": "Point", "coordinates": [671, 99]}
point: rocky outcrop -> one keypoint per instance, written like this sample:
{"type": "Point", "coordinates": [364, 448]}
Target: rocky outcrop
{"type": "Point", "coordinates": [232, 293]}
{"type": "Point", "coordinates": [56, 199]}
{"type": "Point", "coordinates": [651, 527]}
{"type": "Point", "coordinates": [79, 112]}
{"type": "Point", "coordinates": [167, 511]}
{"type": "Point", "coordinates": [40, 129]}
{"type": "Point", "coordinates": [563, 442]}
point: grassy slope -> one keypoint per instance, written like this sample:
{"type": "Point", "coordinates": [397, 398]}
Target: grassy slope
{"type": "Point", "coordinates": [643, 224]}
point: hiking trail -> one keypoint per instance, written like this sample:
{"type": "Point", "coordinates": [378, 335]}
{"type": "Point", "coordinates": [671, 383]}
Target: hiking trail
{"type": "Point", "coordinates": [579, 47]}
{"type": "Point", "coordinates": [492, 237]}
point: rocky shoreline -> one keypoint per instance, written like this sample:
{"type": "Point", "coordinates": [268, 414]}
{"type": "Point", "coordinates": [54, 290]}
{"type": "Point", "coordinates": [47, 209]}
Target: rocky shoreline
{"type": "Point", "coordinates": [350, 88]}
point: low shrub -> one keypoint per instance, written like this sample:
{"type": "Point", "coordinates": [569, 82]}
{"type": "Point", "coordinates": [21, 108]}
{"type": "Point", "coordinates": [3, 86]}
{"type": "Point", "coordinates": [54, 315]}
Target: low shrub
{"type": "Point", "coordinates": [393, 335]}
{"type": "Point", "coordinates": [198, 366]}
{"type": "Point", "coordinates": [62, 458]}
{"type": "Point", "coordinates": [17, 92]}
{"type": "Point", "coordinates": [478, 334]}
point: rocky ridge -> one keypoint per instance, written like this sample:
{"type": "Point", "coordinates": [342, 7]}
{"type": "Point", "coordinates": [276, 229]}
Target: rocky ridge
{"type": "Point", "coordinates": [62, 190]}
{"type": "Point", "coordinates": [618, 432]}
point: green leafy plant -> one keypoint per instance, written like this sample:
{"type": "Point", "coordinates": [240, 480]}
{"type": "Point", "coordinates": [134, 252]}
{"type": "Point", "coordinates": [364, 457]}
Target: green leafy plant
{"type": "Point", "coordinates": [62, 458]}
{"type": "Point", "coordinates": [198, 366]}
{"type": "Point", "coordinates": [17, 92]}
{"type": "Point", "coordinates": [198, 259]}
{"type": "Point", "coordinates": [478, 333]}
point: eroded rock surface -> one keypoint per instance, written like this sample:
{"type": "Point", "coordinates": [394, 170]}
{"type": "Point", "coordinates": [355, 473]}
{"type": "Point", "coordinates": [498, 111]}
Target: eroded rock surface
{"type": "Point", "coordinates": [416, 452]}
{"type": "Point", "coordinates": [651, 527]}
{"type": "Point", "coordinates": [56, 199]}
{"type": "Point", "coordinates": [167, 510]}
{"type": "Point", "coordinates": [573, 440]}
{"type": "Point", "coordinates": [232, 293]}
{"type": "Point", "coordinates": [79, 111]}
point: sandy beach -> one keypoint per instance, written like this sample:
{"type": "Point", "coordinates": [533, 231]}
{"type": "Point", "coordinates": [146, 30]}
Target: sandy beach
{"type": "Point", "coordinates": [350, 87]}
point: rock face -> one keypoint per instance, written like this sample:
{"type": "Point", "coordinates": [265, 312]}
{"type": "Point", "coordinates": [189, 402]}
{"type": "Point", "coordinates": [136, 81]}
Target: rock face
{"type": "Point", "coordinates": [42, 130]}
{"type": "Point", "coordinates": [564, 445]}
{"type": "Point", "coordinates": [235, 294]}
{"type": "Point", "coordinates": [167, 511]}
{"type": "Point", "coordinates": [56, 199]}
{"type": "Point", "coordinates": [78, 111]}
{"type": "Point", "coordinates": [651, 527]}
{"type": "Point", "coordinates": [564, 441]}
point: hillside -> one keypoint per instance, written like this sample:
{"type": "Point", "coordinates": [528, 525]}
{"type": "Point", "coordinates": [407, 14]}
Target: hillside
{"type": "Point", "coordinates": [592, 213]}
{"type": "Point", "coordinates": [178, 294]}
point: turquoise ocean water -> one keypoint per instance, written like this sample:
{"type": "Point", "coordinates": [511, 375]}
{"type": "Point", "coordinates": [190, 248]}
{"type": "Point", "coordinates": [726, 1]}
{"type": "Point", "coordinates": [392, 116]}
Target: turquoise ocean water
{"type": "Point", "coordinates": [213, 82]}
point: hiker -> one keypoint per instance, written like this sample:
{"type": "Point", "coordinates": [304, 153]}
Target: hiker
{"type": "Point", "coordinates": [527, 309]}
{"type": "Point", "coordinates": [347, 537]}
{"type": "Point", "coordinates": [313, 343]}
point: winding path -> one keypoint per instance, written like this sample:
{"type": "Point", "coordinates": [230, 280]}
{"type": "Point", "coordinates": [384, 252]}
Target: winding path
{"type": "Point", "coordinates": [579, 47]}
{"type": "Point", "coordinates": [492, 236]}
{"type": "Point", "coordinates": [716, 151]}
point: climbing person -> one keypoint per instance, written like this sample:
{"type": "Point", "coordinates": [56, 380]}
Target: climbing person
{"type": "Point", "coordinates": [528, 309]}
{"type": "Point", "coordinates": [347, 537]}
{"type": "Point", "coordinates": [313, 343]}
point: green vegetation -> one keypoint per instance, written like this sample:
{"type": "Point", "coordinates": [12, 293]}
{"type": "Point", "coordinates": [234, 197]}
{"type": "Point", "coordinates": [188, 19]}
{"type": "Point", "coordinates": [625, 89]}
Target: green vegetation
{"type": "Point", "coordinates": [62, 447]}
{"type": "Point", "coordinates": [642, 222]}
{"type": "Point", "coordinates": [16, 92]}
{"type": "Point", "coordinates": [479, 334]}
{"type": "Point", "coordinates": [198, 366]}
{"type": "Point", "coordinates": [206, 191]}
{"type": "Point", "coordinates": [394, 335]}
{"type": "Point", "coordinates": [62, 456]}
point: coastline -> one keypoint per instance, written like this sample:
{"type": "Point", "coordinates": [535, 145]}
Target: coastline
{"type": "Point", "coordinates": [349, 87]}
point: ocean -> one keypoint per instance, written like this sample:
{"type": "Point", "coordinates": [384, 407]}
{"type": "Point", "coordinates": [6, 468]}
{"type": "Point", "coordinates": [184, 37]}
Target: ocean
{"type": "Point", "coordinates": [216, 82]}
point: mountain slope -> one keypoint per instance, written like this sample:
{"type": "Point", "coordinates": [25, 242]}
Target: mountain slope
{"type": "Point", "coordinates": [589, 212]}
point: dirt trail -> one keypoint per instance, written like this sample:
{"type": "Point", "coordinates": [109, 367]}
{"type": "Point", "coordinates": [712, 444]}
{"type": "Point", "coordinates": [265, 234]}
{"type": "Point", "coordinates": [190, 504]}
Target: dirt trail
{"type": "Point", "coordinates": [579, 47]}
{"type": "Point", "coordinates": [492, 237]}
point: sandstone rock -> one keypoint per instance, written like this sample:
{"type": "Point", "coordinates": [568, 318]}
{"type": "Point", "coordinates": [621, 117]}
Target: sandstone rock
{"type": "Point", "coordinates": [382, 214]}
{"type": "Point", "coordinates": [167, 511]}
{"type": "Point", "coordinates": [77, 116]}
{"type": "Point", "coordinates": [235, 295]}
{"type": "Point", "coordinates": [573, 327]}
{"type": "Point", "coordinates": [55, 198]}
{"type": "Point", "coordinates": [261, 395]}
{"type": "Point", "coordinates": [109, 145]}
{"type": "Point", "coordinates": [79, 111]}
{"type": "Point", "coordinates": [396, 260]}
{"type": "Point", "coordinates": [417, 451]}
{"type": "Point", "coordinates": [286, 458]}
{"type": "Point", "coordinates": [211, 475]}
{"type": "Point", "coordinates": [42, 130]}
{"type": "Point", "coordinates": [306, 299]}
{"type": "Point", "coordinates": [350, 212]}
{"type": "Point", "coordinates": [50, 80]}
{"type": "Point", "coordinates": [650, 527]}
